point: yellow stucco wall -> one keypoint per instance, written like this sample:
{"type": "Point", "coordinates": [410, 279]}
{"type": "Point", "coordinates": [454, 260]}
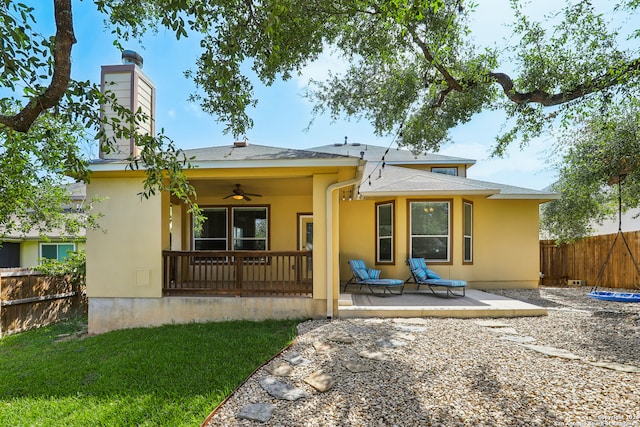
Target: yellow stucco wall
{"type": "Point", "coordinates": [124, 258]}
{"type": "Point", "coordinates": [29, 253]}
{"type": "Point", "coordinates": [505, 241]}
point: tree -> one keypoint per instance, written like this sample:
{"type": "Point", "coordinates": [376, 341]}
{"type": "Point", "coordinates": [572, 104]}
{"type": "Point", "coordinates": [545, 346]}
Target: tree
{"type": "Point", "coordinates": [45, 118]}
{"type": "Point", "coordinates": [413, 66]}
{"type": "Point", "coordinates": [34, 194]}
{"type": "Point", "coordinates": [601, 154]}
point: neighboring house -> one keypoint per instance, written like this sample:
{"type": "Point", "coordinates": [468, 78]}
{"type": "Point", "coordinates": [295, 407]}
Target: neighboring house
{"type": "Point", "coordinates": [630, 222]}
{"type": "Point", "coordinates": [281, 225]}
{"type": "Point", "coordinates": [26, 250]}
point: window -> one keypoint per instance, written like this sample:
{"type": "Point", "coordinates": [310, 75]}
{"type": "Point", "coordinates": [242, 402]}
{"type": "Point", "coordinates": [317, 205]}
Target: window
{"type": "Point", "coordinates": [468, 232]}
{"type": "Point", "coordinates": [249, 229]}
{"type": "Point", "coordinates": [445, 171]}
{"type": "Point", "coordinates": [233, 228]}
{"type": "Point", "coordinates": [384, 232]}
{"type": "Point", "coordinates": [430, 224]}
{"type": "Point", "coordinates": [213, 236]}
{"type": "Point", "coordinates": [9, 254]}
{"type": "Point", "coordinates": [58, 251]}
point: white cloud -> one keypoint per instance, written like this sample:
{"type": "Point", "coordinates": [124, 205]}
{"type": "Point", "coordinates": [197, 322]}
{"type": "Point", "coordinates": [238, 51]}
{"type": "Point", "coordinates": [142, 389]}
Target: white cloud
{"type": "Point", "coordinates": [328, 61]}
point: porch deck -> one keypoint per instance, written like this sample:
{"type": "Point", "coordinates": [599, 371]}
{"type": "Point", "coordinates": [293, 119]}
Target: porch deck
{"type": "Point", "coordinates": [423, 303]}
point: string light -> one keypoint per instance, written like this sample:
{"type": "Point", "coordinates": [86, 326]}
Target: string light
{"type": "Point", "coordinates": [382, 162]}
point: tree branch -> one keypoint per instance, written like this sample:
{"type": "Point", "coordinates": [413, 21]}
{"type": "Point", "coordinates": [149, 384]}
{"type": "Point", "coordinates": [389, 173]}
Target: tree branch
{"type": "Point", "coordinates": [548, 99]}
{"type": "Point", "coordinates": [452, 83]}
{"type": "Point", "coordinates": [64, 40]}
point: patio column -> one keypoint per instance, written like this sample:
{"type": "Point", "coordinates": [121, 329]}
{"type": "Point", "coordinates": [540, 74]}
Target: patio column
{"type": "Point", "coordinates": [320, 184]}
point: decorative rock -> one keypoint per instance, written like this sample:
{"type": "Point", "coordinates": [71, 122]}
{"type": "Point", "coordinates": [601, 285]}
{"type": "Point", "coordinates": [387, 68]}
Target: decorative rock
{"type": "Point", "coordinates": [498, 330]}
{"type": "Point", "coordinates": [256, 412]}
{"type": "Point", "coordinates": [323, 347]}
{"type": "Point", "coordinates": [491, 324]}
{"type": "Point", "coordinates": [280, 369]}
{"type": "Point", "coordinates": [281, 390]}
{"type": "Point", "coordinates": [296, 358]}
{"type": "Point", "coordinates": [374, 355]}
{"type": "Point", "coordinates": [518, 338]}
{"type": "Point", "coordinates": [552, 351]}
{"type": "Point", "coordinates": [375, 321]}
{"type": "Point", "coordinates": [341, 338]}
{"type": "Point", "coordinates": [355, 366]}
{"type": "Point", "coordinates": [503, 386]}
{"type": "Point", "coordinates": [390, 343]}
{"type": "Point", "coordinates": [320, 381]}
{"type": "Point", "coordinates": [616, 366]}
{"type": "Point", "coordinates": [411, 328]}
{"type": "Point", "coordinates": [403, 336]}
{"type": "Point", "coordinates": [411, 321]}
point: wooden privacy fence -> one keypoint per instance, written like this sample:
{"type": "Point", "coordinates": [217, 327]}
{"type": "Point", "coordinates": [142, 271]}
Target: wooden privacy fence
{"type": "Point", "coordinates": [29, 300]}
{"type": "Point", "coordinates": [584, 259]}
{"type": "Point", "coordinates": [268, 273]}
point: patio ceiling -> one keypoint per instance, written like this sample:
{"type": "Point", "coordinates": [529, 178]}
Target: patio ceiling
{"type": "Point", "coordinates": [290, 186]}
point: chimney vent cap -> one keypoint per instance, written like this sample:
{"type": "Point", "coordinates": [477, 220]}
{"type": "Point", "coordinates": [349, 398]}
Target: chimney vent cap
{"type": "Point", "coordinates": [132, 57]}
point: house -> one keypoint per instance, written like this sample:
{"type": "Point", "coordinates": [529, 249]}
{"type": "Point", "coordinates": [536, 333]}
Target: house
{"type": "Point", "coordinates": [26, 250]}
{"type": "Point", "coordinates": [280, 225]}
{"type": "Point", "coordinates": [629, 221]}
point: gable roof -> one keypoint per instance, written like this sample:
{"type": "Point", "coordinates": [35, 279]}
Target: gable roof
{"type": "Point", "coordinates": [399, 181]}
{"type": "Point", "coordinates": [245, 155]}
{"type": "Point", "coordinates": [396, 156]}
{"type": "Point", "coordinates": [390, 181]}
{"type": "Point", "coordinates": [255, 152]}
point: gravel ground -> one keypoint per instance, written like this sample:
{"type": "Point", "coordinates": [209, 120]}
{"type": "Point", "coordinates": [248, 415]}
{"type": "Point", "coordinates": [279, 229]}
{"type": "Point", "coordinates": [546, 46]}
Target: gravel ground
{"type": "Point", "coordinates": [456, 372]}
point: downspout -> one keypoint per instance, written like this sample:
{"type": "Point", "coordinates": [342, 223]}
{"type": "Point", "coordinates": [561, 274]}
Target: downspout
{"type": "Point", "coordinates": [329, 213]}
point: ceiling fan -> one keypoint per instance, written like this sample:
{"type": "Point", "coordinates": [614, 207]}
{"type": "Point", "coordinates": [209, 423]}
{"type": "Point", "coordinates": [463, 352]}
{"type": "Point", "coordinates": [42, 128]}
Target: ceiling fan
{"type": "Point", "coordinates": [239, 194]}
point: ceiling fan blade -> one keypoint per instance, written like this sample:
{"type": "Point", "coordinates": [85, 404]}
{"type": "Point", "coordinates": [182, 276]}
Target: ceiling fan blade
{"type": "Point", "coordinates": [226, 197]}
{"type": "Point", "coordinates": [247, 198]}
{"type": "Point", "coordinates": [253, 194]}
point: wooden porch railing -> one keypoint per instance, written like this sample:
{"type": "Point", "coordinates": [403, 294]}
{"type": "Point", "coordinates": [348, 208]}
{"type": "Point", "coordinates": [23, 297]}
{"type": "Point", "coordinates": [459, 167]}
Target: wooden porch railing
{"type": "Point", "coordinates": [269, 273]}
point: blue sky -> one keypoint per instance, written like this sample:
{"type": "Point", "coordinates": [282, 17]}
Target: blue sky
{"type": "Point", "coordinates": [282, 113]}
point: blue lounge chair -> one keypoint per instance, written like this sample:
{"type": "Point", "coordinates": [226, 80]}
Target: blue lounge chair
{"type": "Point", "coordinates": [423, 276]}
{"type": "Point", "coordinates": [371, 278]}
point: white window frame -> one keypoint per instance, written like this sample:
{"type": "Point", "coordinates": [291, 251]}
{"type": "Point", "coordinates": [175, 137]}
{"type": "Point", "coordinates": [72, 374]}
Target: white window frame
{"type": "Point", "coordinates": [391, 238]}
{"type": "Point", "coordinates": [449, 204]}
{"type": "Point", "coordinates": [445, 170]}
{"type": "Point", "coordinates": [57, 245]}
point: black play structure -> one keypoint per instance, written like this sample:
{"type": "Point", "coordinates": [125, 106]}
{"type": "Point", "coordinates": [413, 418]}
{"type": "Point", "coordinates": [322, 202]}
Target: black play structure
{"type": "Point", "coordinates": [616, 296]}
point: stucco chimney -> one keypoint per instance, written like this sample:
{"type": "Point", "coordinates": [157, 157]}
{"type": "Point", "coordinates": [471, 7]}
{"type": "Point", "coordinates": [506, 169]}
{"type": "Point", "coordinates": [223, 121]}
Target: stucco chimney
{"type": "Point", "coordinates": [134, 90]}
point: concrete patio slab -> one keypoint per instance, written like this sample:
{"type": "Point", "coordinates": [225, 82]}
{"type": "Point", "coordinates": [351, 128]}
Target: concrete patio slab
{"type": "Point", "coordinates": [476, 303]}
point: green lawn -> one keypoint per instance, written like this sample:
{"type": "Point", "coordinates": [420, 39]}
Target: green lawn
{"type": "Point", "coordinates": [167, 376]}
